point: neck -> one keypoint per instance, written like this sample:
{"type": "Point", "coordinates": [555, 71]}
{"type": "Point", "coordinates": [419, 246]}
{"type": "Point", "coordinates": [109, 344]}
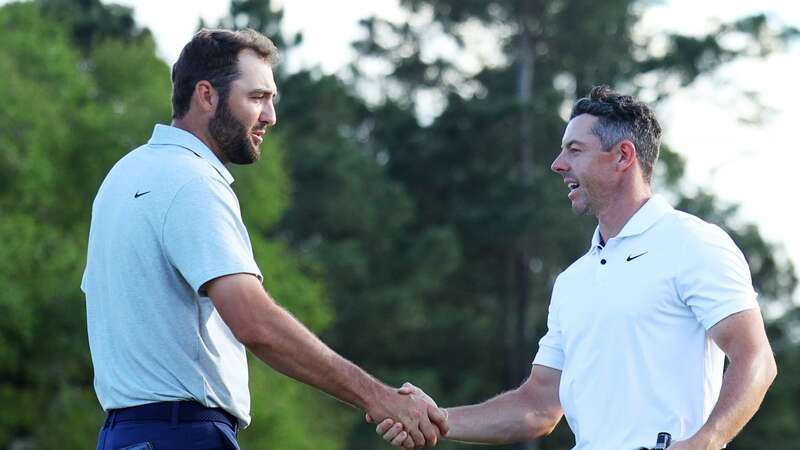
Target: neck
{"type": "Point", "coordinates": [619, 211]}
{"type": "Point", "coordinates": [200, 131]}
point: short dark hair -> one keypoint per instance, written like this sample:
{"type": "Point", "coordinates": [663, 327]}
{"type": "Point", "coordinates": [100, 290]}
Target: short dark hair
{"type": "Point", "coordinates": [212, 55]}
{"type": "Point", "coordinates": [623, 117]}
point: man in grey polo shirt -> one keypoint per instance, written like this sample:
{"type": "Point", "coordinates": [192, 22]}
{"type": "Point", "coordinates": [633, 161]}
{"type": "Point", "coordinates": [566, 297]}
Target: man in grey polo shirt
{"type": "Point", "coordinates": [173, 293]}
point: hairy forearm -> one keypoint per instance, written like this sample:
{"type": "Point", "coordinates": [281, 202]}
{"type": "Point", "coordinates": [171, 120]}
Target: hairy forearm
{"type": "Point", "coordinates": [743, 388]}
{"type": "Point", "coordinates": [507, 418]}
{"type": "Point", "coordinates": [283, 343]}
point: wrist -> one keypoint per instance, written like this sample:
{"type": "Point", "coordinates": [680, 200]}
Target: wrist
{"type": "Point", "coordinates": [455, 430]}
{"type": "Point", "coordinates": [705, 441]}
{"type": "Point", "coordinates": [375, 399]}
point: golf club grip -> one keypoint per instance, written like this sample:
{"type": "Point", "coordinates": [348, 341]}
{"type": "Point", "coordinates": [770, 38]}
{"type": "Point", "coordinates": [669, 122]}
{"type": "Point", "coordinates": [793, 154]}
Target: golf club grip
{"type": "Point", "coordinates": [663, 441]}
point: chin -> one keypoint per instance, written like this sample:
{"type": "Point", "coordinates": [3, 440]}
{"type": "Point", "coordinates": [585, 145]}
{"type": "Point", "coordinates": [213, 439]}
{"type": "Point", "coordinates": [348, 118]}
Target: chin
{"type": "Point", "coordinates": [256, 152]}
{"type": "Point", "coordinates": [581, 209]}
{"type": "Point", "coordinates": [254, 157]}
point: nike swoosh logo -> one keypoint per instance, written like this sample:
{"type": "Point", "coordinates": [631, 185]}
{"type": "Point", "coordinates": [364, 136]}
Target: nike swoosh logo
{"type": "Point", "coordinates": [631, 258]}
{"type": "Point", "coordinates": [139, 194]}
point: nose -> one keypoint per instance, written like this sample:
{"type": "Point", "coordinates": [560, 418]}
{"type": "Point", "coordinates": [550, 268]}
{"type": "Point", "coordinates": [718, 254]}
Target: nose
{"type": "Point", "coordinates": [559, 165]}
{"type": "Point", "coordinates": [268, 114]}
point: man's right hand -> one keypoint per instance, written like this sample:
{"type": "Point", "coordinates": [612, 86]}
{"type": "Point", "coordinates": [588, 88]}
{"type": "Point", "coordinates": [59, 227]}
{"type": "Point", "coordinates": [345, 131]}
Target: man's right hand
{"type": "Point", "coordinates": [415, 416]}
{"type": "Point", "coordinates": [432, 423]}
{"type": "Point", "coordinates": [280, 340]}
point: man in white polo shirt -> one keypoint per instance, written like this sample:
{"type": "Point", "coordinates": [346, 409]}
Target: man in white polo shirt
{"type": "Point", "coordinates": [638, 327]}
{"type": "Point", "coordinates": [173, 293]}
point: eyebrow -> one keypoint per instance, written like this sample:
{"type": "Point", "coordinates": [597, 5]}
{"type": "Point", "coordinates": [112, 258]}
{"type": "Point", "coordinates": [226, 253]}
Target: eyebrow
{"type": "Point", "coordinates": [572, 142]}
{"type": "Point", "coordinates": [264, 91]}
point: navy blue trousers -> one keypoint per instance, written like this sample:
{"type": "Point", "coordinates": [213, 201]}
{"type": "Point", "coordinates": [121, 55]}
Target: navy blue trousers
{"type": "Point", "coordinates": [164, 426]}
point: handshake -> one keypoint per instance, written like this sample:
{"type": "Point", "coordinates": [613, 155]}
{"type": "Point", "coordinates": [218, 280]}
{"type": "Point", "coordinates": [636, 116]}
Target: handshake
{"type": "Point", "coordinates": [410, 419]}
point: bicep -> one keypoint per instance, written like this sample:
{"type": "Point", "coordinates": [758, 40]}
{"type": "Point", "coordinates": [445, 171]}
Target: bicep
{"type": "Point", "coordinates": [741, 334]}
{"type": "Point", "coordinates": [240, 300]}
{"type": "Point", "coordinates": [203, 234]}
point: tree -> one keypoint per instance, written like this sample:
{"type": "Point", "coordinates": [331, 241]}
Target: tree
{"type": "Point", "coordinates": [44, 361]}
{"type": "Point", "coordinates": [349, 221]}
{"type": "Point", "coordinates": [482, 165]}
{"type": "Point", "coordinates": [423, 253]}
{"type": "Point", "coordinates": [80, 91]}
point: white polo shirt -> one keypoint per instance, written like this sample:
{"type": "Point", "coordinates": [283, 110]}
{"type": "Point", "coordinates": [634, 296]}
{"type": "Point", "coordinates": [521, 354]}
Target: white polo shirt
{"type": "Point", "coordinates": [628, 323]}
{"type": "Point", "coordinates": [164, 222]}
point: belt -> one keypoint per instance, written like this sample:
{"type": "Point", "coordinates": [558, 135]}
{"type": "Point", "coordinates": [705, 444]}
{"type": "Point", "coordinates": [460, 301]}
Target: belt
{"type": "Point", "coordinates": [185, 411]}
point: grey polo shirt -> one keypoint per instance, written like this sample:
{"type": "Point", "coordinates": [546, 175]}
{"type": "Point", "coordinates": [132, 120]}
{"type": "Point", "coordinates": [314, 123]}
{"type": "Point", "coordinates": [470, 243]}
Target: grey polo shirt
{"type": "Point", "coordinates": [164, 222]}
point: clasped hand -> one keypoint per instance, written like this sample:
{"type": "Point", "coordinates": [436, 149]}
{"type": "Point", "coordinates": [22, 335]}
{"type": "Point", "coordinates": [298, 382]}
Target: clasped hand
{"type": "Point", "coordinates": [411, 419]}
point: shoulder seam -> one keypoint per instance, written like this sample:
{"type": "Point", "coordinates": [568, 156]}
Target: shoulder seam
{"type": "Point", "coordinates": [172, 202]}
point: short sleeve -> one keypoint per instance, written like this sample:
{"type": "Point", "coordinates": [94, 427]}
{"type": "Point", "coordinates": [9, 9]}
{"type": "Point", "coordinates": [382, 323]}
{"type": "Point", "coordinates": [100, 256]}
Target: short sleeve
{"type": "Point", "coordinates": [714, 281]}
{"type": "Point", "coordinates": [204, 235]}
{"type": "Point", "coordinates": [551, 345]}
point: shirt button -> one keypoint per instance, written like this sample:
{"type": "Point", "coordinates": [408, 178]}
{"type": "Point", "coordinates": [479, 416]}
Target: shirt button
{"type": "Point", "coordinates": [602, 261]}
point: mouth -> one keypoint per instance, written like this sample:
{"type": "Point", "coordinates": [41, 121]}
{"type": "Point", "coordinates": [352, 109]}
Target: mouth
{"type": "Point", "coordinates": [573, 188]}
{"type": "Point", "coordinates": [257, 136]}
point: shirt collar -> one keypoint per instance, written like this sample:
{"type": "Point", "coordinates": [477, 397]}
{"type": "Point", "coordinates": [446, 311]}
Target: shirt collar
{"type": "Point", "coordinates": [647, 216]}
{"type": "Point", "coordinates": [169, 135]}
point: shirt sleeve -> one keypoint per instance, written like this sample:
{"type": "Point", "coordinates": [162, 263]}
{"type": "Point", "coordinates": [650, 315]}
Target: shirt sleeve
{"type": "Point", "coordinates": [715, 280]}
{"type": "Point", "coordinates": [204, 235]}
{"type": "Point", "coordinates": [551, 345]}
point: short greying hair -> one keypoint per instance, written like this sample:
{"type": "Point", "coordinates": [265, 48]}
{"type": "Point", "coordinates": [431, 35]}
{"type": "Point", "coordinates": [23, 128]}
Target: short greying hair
{"type": "Point", "coordinates": [213, 55]}
{"type": "Point", "coordinates": [623, 117]}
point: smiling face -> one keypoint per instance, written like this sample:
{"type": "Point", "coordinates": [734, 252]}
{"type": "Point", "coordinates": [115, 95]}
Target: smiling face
{"type": "Point", "coordinates": [242, 119]}
{"type": "Point", "coordinates": [587, 169]}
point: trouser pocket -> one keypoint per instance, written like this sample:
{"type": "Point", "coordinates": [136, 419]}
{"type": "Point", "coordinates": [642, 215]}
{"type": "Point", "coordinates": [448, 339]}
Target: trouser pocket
{"type": "Point", "coordinates": [140, 446]}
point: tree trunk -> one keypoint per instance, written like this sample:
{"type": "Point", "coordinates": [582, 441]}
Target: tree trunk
{"type": "Point", "coordinates": [520, 351]}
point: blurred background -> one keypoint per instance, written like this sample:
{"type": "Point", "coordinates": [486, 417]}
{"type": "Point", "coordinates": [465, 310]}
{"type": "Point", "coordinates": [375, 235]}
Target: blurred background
{"type": "Point", "coordinates": [404, 207]}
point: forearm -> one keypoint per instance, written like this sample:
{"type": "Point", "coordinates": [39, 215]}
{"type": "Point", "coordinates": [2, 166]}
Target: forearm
{"type": "Point", "coordinates": [507, 418]}
{"type": "Point", "coordinates": [281, 341]}
{"type": "Point", "coordinates": [286, 345]}
{"type": "Point", "coordinates": [743, 388]}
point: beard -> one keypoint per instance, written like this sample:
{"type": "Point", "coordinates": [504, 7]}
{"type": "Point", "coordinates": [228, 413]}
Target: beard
{"type": "Point", "coordinates": [592, 200]}
{"type": "Point", "coordinates": [232, 136]}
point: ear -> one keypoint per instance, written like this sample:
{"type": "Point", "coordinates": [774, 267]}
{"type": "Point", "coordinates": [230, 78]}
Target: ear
{"type": "Point", "coordinates": [626, 156]}
{"type": "Point", "coordinates": [205, 96]}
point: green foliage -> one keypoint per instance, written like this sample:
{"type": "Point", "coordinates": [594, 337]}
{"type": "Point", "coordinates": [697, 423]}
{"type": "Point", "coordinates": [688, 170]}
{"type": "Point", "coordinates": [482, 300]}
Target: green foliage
{"type": "Point", "coordinates": [423, 253]}
{"type": "Point", "coordinates": [348, 216]}
{"type": "Point", "coordinates": [78, 93]}
{"type": "Point", "coordinates": [264, 189]}
{"type": "Point", "coordinates": [260, 15]}
{"type": "Point", "coordinates": [468, 169]}
{"type": "Point", "coordinates": [91, 22]}
{"type": "Point", "coordinates": [44, 364]}
{"type": "Point", "coordinates": [688, 57]}
{"type": "Point", "coordinates": [288, 414]}
{"type": "Point", "coordinates": [773, 274]}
